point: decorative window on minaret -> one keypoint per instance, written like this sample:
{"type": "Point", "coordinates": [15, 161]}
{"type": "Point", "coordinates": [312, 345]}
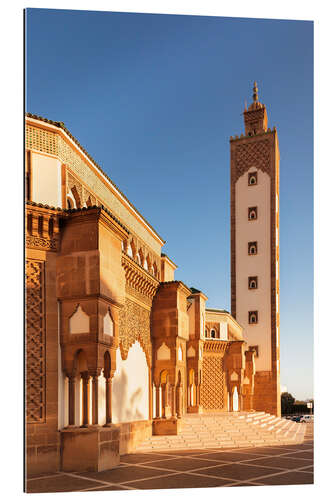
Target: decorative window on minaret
{"type": "Point", "coordinates": [252, 213]}
{"type": "Point", "coordinates": [252, 248]}
{"type": "Point", "coordinates": [253, 317]}
{"type": "Point", "coordinates": [252, 179]}
{"type": "Point", "coordinates": [253, 282]}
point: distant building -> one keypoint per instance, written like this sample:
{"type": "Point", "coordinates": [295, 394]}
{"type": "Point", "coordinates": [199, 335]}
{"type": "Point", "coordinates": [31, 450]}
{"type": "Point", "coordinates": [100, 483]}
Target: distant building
{"type": "Point", "coordinates": [116, 349]}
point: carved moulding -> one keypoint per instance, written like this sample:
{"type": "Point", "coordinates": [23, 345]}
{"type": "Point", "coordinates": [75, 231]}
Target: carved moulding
{"type": "Point", "coordinates": [218, 346]}
{"type": "Point", "coordinates": [138, 281]}
{"type": "Point", "coordinates": [41, 243]}
{"type": "Point", "coordinates": [134, 325]}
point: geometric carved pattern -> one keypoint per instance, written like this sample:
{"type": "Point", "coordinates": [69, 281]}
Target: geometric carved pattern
{"type": "Point", "coordinates": [42, 243]}
{"type": "Point", "coordinates": [42, 140]}
{"type": "Point", "coordinates": [253, 154]}
{"type": "Point", "coordinates": [134, 324]}
{"type": "Point", "coordinates": [213, 382]}
{"type": "Point", "coordinates": [35, 342]}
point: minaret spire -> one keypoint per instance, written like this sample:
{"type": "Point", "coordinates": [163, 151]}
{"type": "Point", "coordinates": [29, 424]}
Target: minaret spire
{"type": "Point", "coordinates": [255, 92]}
{"type": "Point", "coordinates": [255, 117]}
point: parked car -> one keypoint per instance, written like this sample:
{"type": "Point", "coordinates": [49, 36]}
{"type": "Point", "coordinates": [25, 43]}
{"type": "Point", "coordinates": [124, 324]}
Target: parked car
{"type": "Point", "coordinates": [297, 418]}
{"type": "Point", "coordinates": [306, 418]}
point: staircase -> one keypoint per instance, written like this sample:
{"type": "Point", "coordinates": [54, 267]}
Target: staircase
{"type": "Point", "coordinates": [228, 430]}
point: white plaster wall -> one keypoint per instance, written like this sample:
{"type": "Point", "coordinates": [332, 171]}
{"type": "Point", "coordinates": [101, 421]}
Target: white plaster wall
{"type": "Point", "coordinates": [223, 331]}
{"type": "Point", "coordinates": [46, 180]}
{"type": "Point", "coordinates": [254, 265]}
{"type": "Point", "coordinates": [130, 387]}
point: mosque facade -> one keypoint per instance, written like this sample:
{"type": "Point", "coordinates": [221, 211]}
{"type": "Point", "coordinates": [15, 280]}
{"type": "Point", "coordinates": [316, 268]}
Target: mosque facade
{"type": "Point", "coordinates": [116, 348]}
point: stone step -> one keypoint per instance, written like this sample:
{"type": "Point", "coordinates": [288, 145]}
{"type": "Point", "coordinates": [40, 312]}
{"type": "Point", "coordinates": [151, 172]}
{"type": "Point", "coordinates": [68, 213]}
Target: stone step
{"type": "Point", "coordinates": [232, 430]}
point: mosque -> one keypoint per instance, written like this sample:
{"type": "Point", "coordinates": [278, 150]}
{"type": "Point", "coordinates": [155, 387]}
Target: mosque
{"type": "Point", "coordinates": [116, 348]}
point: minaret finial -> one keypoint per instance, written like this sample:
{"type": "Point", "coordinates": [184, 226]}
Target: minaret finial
{"type": "Point", "coordinates": [255, 92]}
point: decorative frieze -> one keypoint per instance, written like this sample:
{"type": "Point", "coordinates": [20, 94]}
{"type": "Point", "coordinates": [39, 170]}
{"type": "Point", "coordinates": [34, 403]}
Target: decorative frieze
{"type": "Point", "coordinates": [41, 243]}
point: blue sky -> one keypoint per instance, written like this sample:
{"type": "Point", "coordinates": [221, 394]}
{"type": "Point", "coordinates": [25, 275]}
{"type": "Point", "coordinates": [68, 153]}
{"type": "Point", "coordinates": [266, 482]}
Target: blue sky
{"type": "Point", "coordinates": [154, 99]}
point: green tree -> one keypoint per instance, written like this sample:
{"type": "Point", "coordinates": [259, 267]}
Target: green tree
{"type": "Point", "coordinates": [287, 403]}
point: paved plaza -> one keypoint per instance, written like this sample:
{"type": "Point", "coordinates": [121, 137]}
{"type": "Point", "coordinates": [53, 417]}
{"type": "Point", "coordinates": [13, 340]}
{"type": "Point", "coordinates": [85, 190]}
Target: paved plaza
{"type": "Point", "coordinates": [255, 466]}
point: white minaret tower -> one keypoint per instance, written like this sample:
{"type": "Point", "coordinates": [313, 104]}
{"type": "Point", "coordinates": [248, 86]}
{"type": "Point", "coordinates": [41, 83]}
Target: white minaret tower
{"type": "Point", "coordinates": [254, 168]}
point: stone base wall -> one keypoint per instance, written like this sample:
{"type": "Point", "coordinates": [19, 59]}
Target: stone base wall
{"type": "Point", "coordinates": [266, 394]}
{"type": "Point", "coordinates": [167, 426]}
{"type": "Point", "coordinates": [90, 449]}
{"type": "Point", "coordinates": [42, 450]}
{"type": "Point", "coordinates": [132, 434]}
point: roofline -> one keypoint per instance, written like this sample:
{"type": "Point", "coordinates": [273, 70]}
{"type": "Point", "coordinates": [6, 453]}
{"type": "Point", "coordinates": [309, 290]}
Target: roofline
{"type": "Point", "coordinates": [63, 128]}
{"type": "Point", "coordinates": [165, 256]}
{"type": "Point", "coordinates": [218, 310]}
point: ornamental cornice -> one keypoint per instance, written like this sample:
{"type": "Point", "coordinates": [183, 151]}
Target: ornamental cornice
{"type": "Point", "coordinates": [139, 279]}
{"type": "Point", "coordinates": [219, 346]}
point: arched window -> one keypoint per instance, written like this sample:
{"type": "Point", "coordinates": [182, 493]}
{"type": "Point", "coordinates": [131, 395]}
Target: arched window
{"type": "Point", "coordinates": [51, 227]}
{"type": "Point", "coordinates": [252, 248]}
{"type": "Point", "coordinates": [252, 213]}
{"type": "Point", "coordinates": [213, 334]}
{"type": "Point", "coordinates": [40, 225]}
{"type": "Point", "coordinates": [70, 203]}
{"type": "Point", "coordinates": [253, 317]}
{"type": "Point", "coordinates": [253, 282]}
{"type": "Point", "coordinates": [130, 251]}
{"type": "Point", "coordinates": [29, 223]}
{"type": "Point", "coordinates": [76, 197]}
{"type": "Point", "coordinates": [252, 179]}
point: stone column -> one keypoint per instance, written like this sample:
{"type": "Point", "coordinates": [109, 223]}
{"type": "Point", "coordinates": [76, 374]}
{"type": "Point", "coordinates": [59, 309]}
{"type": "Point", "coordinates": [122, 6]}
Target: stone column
{"type": "Point", "coordinates": [164, 398]}
{"type": "Point", "coordinates": [108, 401]}
{"type": "Point", "coordinates": [179, 401]}
{"type": "Point", "coordinates": [173, 401]}
{"type": "Point", "coordinates": [157, 387]}
{"type": "Point", "coordinates": [95, 376]}
{"type": "Point", "coordinates": [86, 398]}
{"type": "Point", "coordinates": [71, 400]}
{"type": "Point", "coordinates": [198, 394]}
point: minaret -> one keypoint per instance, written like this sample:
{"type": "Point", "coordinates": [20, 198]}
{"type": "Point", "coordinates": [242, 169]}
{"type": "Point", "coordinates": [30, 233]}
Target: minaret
{"type": "Point", "coordinates": [254, 169]}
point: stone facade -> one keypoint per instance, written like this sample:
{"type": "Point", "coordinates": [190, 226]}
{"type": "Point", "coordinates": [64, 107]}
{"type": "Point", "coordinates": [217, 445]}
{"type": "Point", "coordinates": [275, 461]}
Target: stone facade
{"type": "Point", "coordinates": [116, 349]}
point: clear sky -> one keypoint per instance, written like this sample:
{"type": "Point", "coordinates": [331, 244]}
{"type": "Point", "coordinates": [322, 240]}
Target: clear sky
{"type": "Point", "coordinates": [154, 99]}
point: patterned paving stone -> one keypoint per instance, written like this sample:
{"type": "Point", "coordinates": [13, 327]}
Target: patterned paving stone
{"type": "Point", "coordinates": [295, 477]}
{"type": "Point", "coordinates": [140, 458]}
{"type": "Point", "coordinates": [180, 481]}
{"type": "Point", "coordinates": [125, 474]}
{"type": "Point", "coordinates": [231, 457]}
{"type": "Point", "coordinates": [60, 483]}
{"type": "Point", "coordinates": [240, 472]}
{"type": "Point", "coordinates": [184, 464]}
{"type": "Point", "coordinates": [280, 462]}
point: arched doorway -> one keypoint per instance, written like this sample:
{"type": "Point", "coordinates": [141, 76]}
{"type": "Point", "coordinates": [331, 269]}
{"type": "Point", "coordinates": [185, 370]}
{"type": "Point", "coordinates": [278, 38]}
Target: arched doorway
{"type": "Point", "coordinates": [235, 399]}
